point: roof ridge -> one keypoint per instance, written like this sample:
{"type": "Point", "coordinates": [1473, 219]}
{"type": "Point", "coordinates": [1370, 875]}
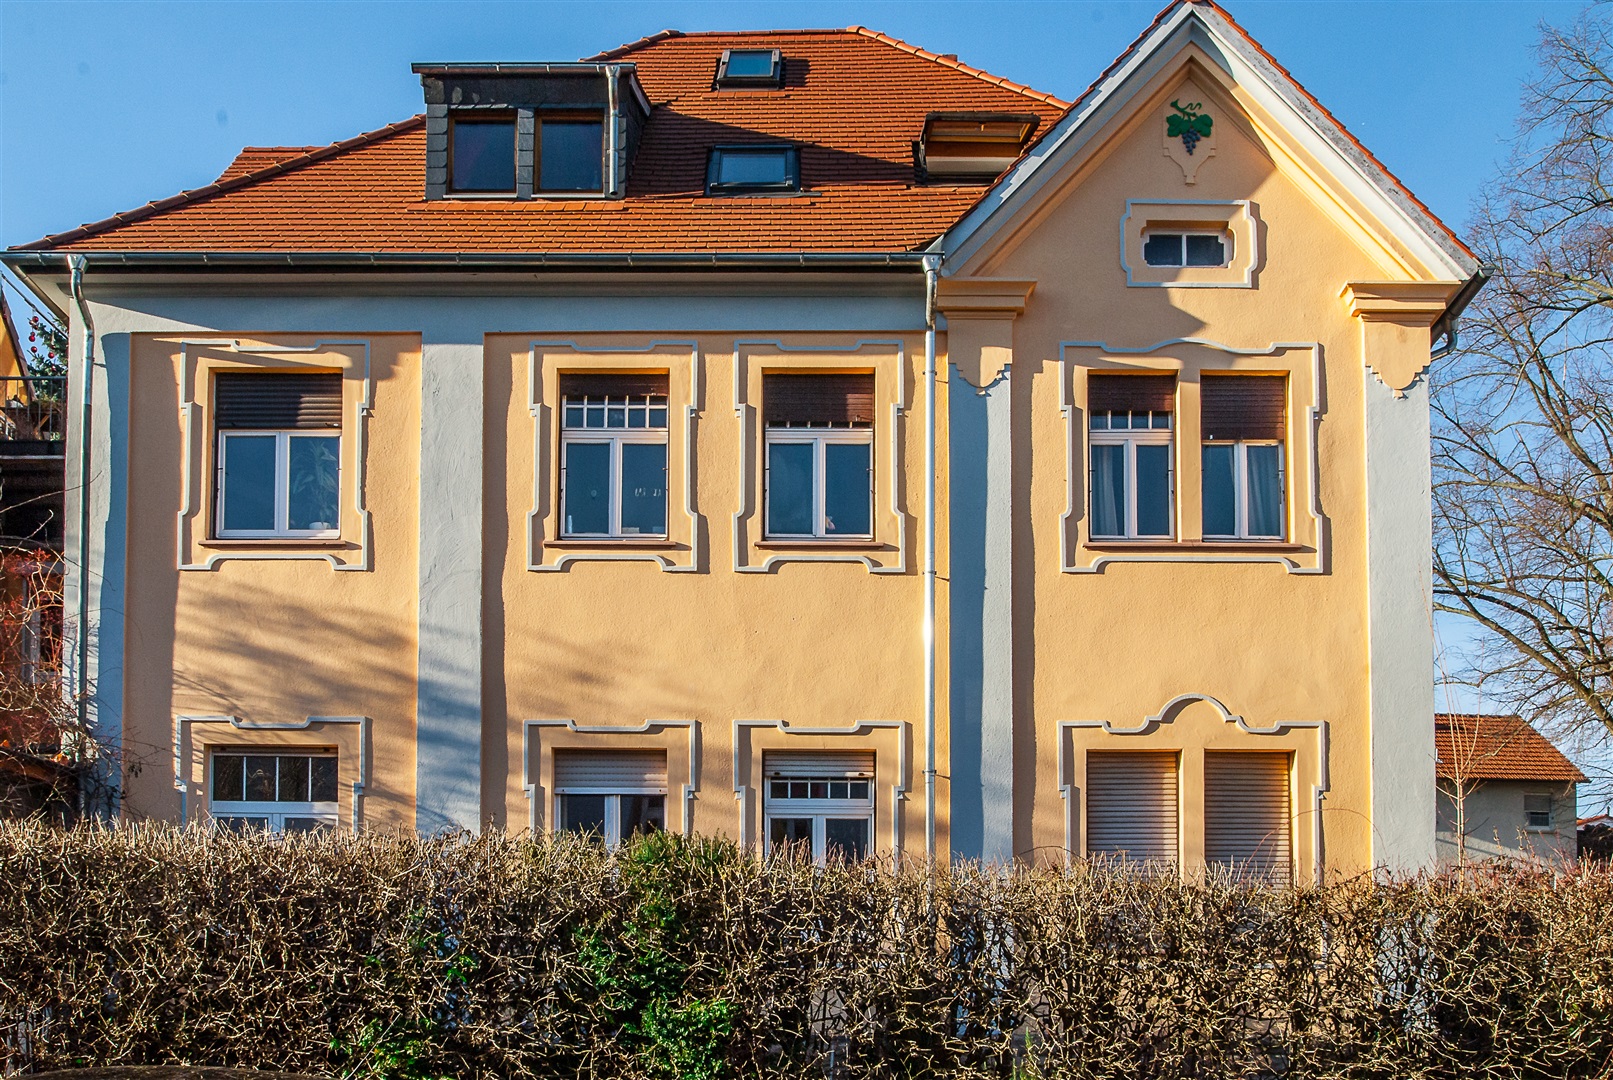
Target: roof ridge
{"type": "Point", "coordinates": [194, 195]}
{"type": "Point", "coordinates": [633, 46]}
{"type": "Point", "coordinates": [953, 62]}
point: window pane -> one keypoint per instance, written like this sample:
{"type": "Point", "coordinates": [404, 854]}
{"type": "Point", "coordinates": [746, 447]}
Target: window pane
{"type": "Point", "coordinates": [752, 167]}
{"type": "Point", "coordinates": [571, 157]}
{"type": "Point", "coordinates": [1205, 251]}
{"type": "Point", "coordinates": [484, 155]}
{"type": "Point", "coordinates": [749, 64]}
{"type": "Point", "coordinates": [790, 830]}
{"type": "Point", "coordinates": [583, 814]}
{"type": "Point", "coordinates": [249, 482]}
{"type": "Point", "coordinates": [293, 779]}
{"type": "Point", "coordinates": [1220, 491]}
{"type": "Point", "coordinates": [228, 779]}
{"type": "Point", "coordinates": [322, 780]}
{"type": "Point", "coordinates": [587, 488]}
{"type": "Point", "coordinates": [644, 489]}
{"type": "Point", "coordinates": [846, 838]}
{"type": "Point", "coordinates": [642, 814]}
{"type": "Point", "coordinates": [260, 777]}
{"type": "Point", "coordinates": [1154, 490]}
{"type": "Point", "coordinates": [848, 482]}
{"type": "Point", "coordinates": [1163, 249]}
{"type": "Point", "coordinates": [1108, 490]}
{"type": "Point", "coordinates": [789, 489]}
{"type": "Point", "coordinates": [315, 485]}
{"type": "Point", "coordinates": [1265, 490]}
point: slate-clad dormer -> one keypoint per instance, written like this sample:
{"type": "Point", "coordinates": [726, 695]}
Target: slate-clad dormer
{"type": "Point", "coordinates": [522, 131]}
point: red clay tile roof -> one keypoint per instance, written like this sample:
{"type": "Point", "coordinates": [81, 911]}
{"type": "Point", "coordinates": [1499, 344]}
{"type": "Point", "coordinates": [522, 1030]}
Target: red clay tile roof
{"type": "Point", "coordinates": [853, 100]}
{"type": "Point", "coordinates": [1480, 747]}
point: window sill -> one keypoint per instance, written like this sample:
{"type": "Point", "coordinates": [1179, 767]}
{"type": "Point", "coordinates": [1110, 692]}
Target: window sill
{"type": "Point", "coordinates": [1193, 545]}
{"type": "Point", "coordinates": [611, 542]}
{"type": "Point", "coordinates": [278, 542]}
{"type": "Point", "coordinates": [826, 542]}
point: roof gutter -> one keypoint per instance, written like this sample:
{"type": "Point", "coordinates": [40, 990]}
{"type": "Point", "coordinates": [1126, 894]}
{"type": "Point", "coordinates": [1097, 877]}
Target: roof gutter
{"type": "Point", "coordinates": [389, 260]}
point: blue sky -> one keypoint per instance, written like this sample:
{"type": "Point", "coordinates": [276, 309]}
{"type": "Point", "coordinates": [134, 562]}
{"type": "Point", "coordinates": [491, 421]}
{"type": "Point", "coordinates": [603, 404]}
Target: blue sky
{"type": "Point", "coordinates": [105, 106]}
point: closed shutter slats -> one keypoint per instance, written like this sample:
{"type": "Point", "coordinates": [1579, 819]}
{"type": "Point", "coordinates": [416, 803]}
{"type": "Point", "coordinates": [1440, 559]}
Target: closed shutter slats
{"type": "Point", "coordinates": [598, 384]}
{"type": "Point", "coordinates": [1236, 407]}
{"type": "Point", "coordinates": [277, 400]}
{"type": "Point", "coordinates": [1131, 393]}
{"type": "Point", "coordinates": [818, 763]}
{"type": "Point", "coordinates": [1247, 817]}
{"type": "Point", "coordinates": [610, 770]}
{"type": "Point", "coordinates": [1131, 804]}
{"type": "Point", "coordinates": [818, 399]}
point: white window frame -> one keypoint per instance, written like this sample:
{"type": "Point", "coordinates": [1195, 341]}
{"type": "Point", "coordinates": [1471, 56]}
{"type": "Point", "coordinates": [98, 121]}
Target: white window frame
{"type": "Point", "coordinates": [820, 439]}
{"type": "Point", "coordinates": [1131, 438]}
{"type": "Point", "coordinates": [615, 438]}
{"type": "Point", "coordinates": [282, 484]}
{"type": "Point", "coordinates": [275, 813]}
{"type": "Point", "coordinates": [1240, 484]}
{"type": "Point", "coordinates": [613, 807]}
{"type": "Point", "coordinates": [820, 811]}
{"type": "Point", "coordinates": [1182, 234]}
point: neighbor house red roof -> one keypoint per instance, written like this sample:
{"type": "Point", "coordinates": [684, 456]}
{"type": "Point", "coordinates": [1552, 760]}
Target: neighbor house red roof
{"type": "Point", "coordinates": [854, 100]}
{"type": "Point", "coordinates": [1479, 747]}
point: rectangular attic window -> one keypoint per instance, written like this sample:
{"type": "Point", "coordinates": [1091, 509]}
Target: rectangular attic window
{"type": "Point", "coordinates": [571, 152]}
{"type": "Point", "coordinates": [482, 154]}
{"type": "Point", "coordinates": [749, 67]}
{"type": "Point", "coordinates": [971, 147]}
{"type": "Point", "coordinates": [741, 169]}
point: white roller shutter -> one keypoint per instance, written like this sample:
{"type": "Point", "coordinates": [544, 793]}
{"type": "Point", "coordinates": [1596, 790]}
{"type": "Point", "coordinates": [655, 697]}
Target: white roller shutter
{"type": "Point", "coordinates": [830, 763]}
{"type": "Point", "coordinates": [611, 772]}
{"type": "Point", "coordinates": [1131, 804]}
{"type": "Point", "coordinates": [1246, 813]}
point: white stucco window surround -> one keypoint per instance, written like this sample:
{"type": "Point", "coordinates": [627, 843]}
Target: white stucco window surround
{"type": "Point", "coordinates": [1219, 244]}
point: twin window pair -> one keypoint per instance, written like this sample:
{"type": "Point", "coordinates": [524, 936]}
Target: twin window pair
{"type": "Point", "coordinates": [1243, 420]}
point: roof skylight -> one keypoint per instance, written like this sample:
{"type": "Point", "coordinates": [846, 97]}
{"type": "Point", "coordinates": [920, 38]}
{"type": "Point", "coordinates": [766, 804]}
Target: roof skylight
{"type": "Point", "coordinates": [739, 169]}
{"type": "Point", "coordinates": [749, 67]}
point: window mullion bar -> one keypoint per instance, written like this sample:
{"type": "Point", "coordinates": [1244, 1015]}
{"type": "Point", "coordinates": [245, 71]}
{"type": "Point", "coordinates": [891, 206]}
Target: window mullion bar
{"type": "Point", "coordinates": [820, 487]}
{"type": "Point", "coordinates": [282, 484]}
{"type": "Point", "coordinates": [614, 524]}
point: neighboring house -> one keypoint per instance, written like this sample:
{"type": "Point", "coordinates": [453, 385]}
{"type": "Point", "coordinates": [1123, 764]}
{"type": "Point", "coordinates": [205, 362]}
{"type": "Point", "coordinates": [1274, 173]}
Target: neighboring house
{"type": "Point", "coordinates": [1596, 837]}
{"type": "Point", "coordinates": [560, 458]}
{"type": "Point", "coordinates": [31, 496]}
{"type": "Point", "coordinates": [1504, 791]}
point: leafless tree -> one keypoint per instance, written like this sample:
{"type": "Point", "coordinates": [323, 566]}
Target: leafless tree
{"type": "Point", "coordinates": [1523, 412]}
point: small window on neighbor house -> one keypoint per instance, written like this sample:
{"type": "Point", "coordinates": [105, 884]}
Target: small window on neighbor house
{"type": "Point", "coordinates": [739, 169]}
{"type": "Point", "coordinates": [571, 149]}
{"type": "Point", "coordinates": [1185, 249]}
{"type": "Point", "coordinates": [819, 445]}
{"type": "Point", "coordinates": [1537, 811]}
{"type": "Point", "coordinates": [481, 155]}
{"type": "Point", "coordinates": [279, 453]}
{"type": "Point", "coordinates": [749, 67]}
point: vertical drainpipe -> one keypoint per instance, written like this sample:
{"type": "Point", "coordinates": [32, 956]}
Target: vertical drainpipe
{"type": "Point", "coordinates": [932, 264]}
{"type": "Point", "coordinates": [612, 95]}
{"type": "Point", "coordinates": [76, 265]}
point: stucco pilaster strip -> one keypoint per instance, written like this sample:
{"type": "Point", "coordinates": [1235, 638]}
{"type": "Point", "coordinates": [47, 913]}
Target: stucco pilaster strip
{"type": "Point", "coordinates": [448, 691]}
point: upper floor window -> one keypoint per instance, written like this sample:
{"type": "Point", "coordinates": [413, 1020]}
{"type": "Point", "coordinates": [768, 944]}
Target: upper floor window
{"type": "Point", "coordinates": [279, 450]}
{"type": "Point", "coordinates": [819, 443]}
{"type": "Point", "coordinates": [570, 152]}
{"type": "Point", "coordinates": [274, 791]}
{"type": "Point", "coordinates": [1131, 486]}
{"type": "Point", "coordinates": [749, 67]}
{"type": "Point", "coordinates": [740, 169]}
{"type": "Point", "coordinates": [1243, 420]}
{"type": "Point", "coordinates": [613, 455]}
{"type": "Point", "coordinates": [482, 153]}
{"type": "Point", "coordinates": [1185, 249]}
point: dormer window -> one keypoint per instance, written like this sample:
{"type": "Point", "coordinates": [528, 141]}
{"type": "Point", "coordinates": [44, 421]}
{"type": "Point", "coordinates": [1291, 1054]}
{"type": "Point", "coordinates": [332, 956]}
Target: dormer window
{"type": "Point", "coordinates": [749, 67]}
{"type": "Point", "coordinates": [482, 154]}
{"type": "Point", "coordinates": [971, 147]}
{"type": "Point", "coordinates": [747, 169]}
{"type": "Point", "coordinates": [571, 152]}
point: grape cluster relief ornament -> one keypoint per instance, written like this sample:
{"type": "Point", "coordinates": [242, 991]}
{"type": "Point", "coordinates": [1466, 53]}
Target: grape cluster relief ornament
{"type": "Point", "coordinates": [1188, 124]}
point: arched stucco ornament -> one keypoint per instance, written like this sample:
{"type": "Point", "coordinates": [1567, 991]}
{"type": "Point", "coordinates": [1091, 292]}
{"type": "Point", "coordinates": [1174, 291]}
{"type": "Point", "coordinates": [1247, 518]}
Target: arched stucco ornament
{"type": "Point", "coordinates": [1396, 317]}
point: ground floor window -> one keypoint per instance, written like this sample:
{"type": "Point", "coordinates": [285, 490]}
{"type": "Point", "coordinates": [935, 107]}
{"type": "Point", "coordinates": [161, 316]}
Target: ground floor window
{"type": "Point", "coordinates": [274, 791]}
{"type": "Point", "coordinates": [1246, 813]}
{"type": "Point", "coordinates": [821, 804]}
{"type": "Point", "coordinates": [1131, 806]}
{"type": "Point", "coordinates": [610, 794]}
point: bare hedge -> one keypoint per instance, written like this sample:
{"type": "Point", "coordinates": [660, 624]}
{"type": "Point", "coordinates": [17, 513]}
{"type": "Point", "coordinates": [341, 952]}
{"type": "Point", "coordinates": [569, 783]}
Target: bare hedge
{"type": "Point", "coordinates": [378, 955]}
